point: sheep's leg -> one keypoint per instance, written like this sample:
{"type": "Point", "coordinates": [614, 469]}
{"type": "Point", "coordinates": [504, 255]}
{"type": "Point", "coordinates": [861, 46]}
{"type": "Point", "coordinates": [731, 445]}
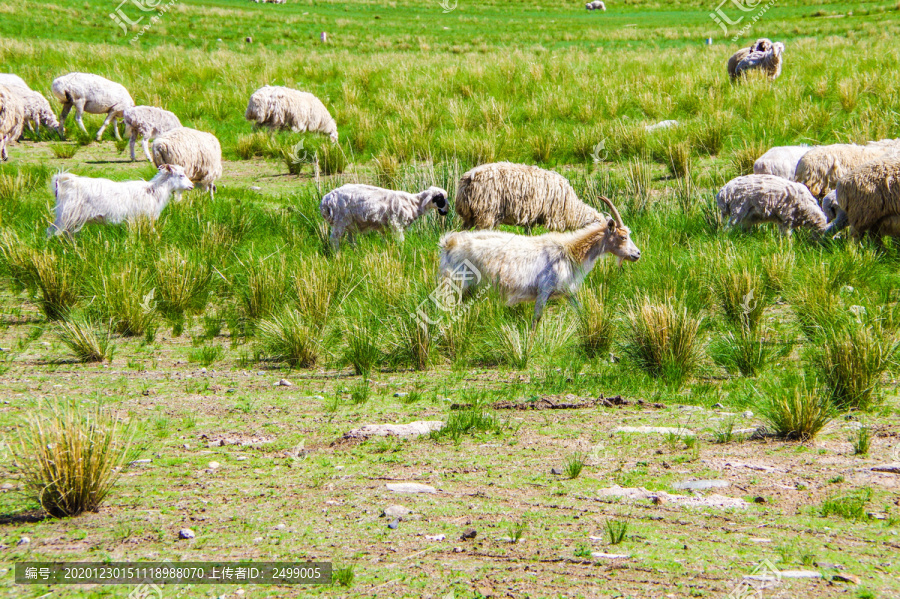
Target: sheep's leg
{"type": "Point", "coordinates": [115, 127]}
{"type": "Point", "coordinates": [79, 113]}
{"type": "Point", "coordinates": [146, 149]}
{"type": "Point", "coordinates": [131, 143]}
{"type": "Point", "coordinates": [110, 117]}
{"type": "Point", "coordinates": [3, 154]}
{"type": "Point", "coordinates": [212, 191]}
{"type": "Point", "coordinates": [337, 231]}
{"type": "Point", "coordinates": [67, 108]}
{"type": "Point", "coordinates": [539, 304]}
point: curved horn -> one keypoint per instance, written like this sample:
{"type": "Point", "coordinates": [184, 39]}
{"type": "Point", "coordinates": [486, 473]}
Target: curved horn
{"type": "Point", "coordinates": [613, 211]}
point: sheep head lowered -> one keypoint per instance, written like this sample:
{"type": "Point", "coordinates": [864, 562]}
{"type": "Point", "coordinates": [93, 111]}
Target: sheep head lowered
{"type": "Point", "coordinates": [613, 237]}
{"type": "Point", "coordinates": [437, 197]}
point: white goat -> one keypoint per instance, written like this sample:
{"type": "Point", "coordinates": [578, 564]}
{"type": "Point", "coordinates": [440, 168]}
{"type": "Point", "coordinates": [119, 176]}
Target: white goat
{"type": "Point", "coordinates": [361, 208]}
{"type": "Point", "coordinates": [92, 94]}
{"type": "Point", "coordinates": [539, 268]}
{"type": "Point", "coordinates": [148, 122]}
{"type": "Point", "coordinates": [81, 200]}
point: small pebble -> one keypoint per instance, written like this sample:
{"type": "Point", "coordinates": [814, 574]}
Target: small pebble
{"type": "Point", "coordinates": [280, 526]}
{"type": "Point", "coordinates": [284, 383]}
{"type": "Point", "coordinates": [556, 471]}
{"type": "Point", "coordinates": [240, 458]}
{"type": "Point", "coordinates": [400, 394]}
{"type": "Point", "coordinates": [747, 414]}
{"type": "Point", "coordinates": [23, 541]}
{"type": "Point", "coordinates": [214, 465]}
{"type": "Point", "coordinates": [186, 533]}
{"type": "Point", "coordinates": [395, 524]}
{"type": "Point", "coordinates": [469, 533]}
{"type": "Point", "coordinates": [718, 406]}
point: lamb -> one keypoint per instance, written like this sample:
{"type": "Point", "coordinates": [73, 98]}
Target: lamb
{"type": "Point", "coordinates": [365, 208]}
{"type": "Point", "coordinates": [37, 110]}
{"type": "Point", "coordinates": [761, 45]}
{"type": "Point", "coordinates": [12, 119]}
{"type": "Point", "coordinates": [780, 161]}
{"type": "Point", "coordinates": [536, 268]}
{"type": "Point", "coordinates": [148, 122]}
{"type": "Point", "coordinates": [595, 5]}
{"type": "Point", "coordinates": [285, 108]}
{"type": "Point", "coordinates": [870, 198]}
{"type": "Point", "coordinates": [10, 80]}
{"type": "Point", "coordinates": [753, 199]}
{"type": "Point", "coordinates": [822, 167]}
{"type": "Point", "coordinates": [81, 200]}
{"type": "Point", "coordinates": [93, 94]}
{"type": "Point", "coordinates": [769, 62]}
{"type": "Point", "coordinates": [522, 195]}
{"type": "Point", "coordinates": [198, 152]}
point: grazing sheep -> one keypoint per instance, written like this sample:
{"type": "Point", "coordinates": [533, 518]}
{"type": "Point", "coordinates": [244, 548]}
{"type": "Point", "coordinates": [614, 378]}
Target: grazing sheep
{"type": "Point", "coordinates": [37, 110]}
{"type": "Point", "coordinates": [780, 161]}
{"type": "Point", "coordinates": [761, 45]}
{"type": "Point", "coordinates": [536, 268]}
{"type": "Point", "coordinates": [595, 5]}
{"type": "Point", "coordinates": [522, 195]}
{"type": "Point", "coordinates": [754, 199]}
{"type": "Point", "coordinates": [822, 167]}
{"type": "Point", "coordinates": [870, 198]}
{"type": "Point", "coordinates": [10, 80]}
{"type": "Point", "coordinates": [199, 153]}
{"type": "Point", "coordinates": [81, 200]}
{"type": "Point", "coordinates": [12, 119]}
{"type": "Point", "coordinates": [285, 108]}
{"type": "Point", "coordinates": [768, 61]}
{"type": "Point", "coordinates": [92, 94]}
{"type": "Point", "coordinates": [362, 208]}
{"type": "Point", "coordinates": [147, 122]}
{"type": "Point", "coordinates": [830, 207]}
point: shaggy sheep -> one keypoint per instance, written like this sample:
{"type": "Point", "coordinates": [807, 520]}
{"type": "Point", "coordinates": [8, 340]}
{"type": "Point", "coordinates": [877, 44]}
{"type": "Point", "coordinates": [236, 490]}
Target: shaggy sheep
{"type": "Point", "coordinates": [10, 80]}
{"type": "Point", "coordinates": [761, 45]}
{"type": "Point", "coordinates": [780, 161]}
{"type": "Point", "coordinates": [534, 269]}
{"type": "Point", "coordinates": [12, 119]}
{"type": "Point", "coordinates": [518, 194]}
{"type": "Point", "coordinates": [362, 208]}
{"type": "Point", "coordinates": [822, 167]}
{"type": "Point", "coordinates": [199, 153]}
{"type": "Point", "coordinates": [92, 94]}
{"type": "Point", "coordinates": [285, 108]}
{"type": "Point", "coordinates": [870, 198]}
{"type": "Point", "coordinates": [81, 200]}
{"type": "Point", "coordinates": [753, 199]}
{"type": "Point", "coordinates": [37, 110]}
{"type": "Point", "coordinates": [147, 122]}
{"type": "Point", "coordinates": [595, 5]}
{"type": "Point", "coordinates": [768, 61]}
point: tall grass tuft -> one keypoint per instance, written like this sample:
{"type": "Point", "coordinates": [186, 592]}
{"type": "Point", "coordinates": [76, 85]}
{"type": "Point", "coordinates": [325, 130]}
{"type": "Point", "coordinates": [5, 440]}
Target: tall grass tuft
{"type": "Point", "coordinates": [331, 159]}
{"type": "Point", "coordinates": [850, 363]}
{"type": "Point", "coordinates": [746, 155]}
{"type": "Point", "coordinates": [57, 281]}
{"type": "Point", "coordinates": [595, 327]}
{"type": "Point", "coordinates": [514, 345]}
{"type": "Point", "coordinates": [288, 337]}
{"type": "Point", "coordinates": [266, 287]}
{"type": "Point", "coordinates": [363, 350]}
{"type": "Point", "coordinates": [183, 283]}
{"type": "Point", "coordinates": [414, 340]}
{"type": "Point", "coordinates": [128, 302]}
{"type": "Point", "coordinates": [638, 182]}
{"type": "Point", "coordinates": [662, 340]}
{"type": "Point", "coordinates": [746, 352]}
{"type": "Point", "coordinates": [742, 296]}
{"type": "Point", "coordinates": [81, 335]}
{"type": "Point", "coordinates": [70, 457]}
{"type": "Point", "coordinates": [796, 408]}
{"type": "Point", "coordinates": [64, 150]}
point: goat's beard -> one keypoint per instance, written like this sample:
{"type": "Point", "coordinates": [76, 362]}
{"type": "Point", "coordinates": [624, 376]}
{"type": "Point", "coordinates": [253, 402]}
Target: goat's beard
{"type": "Point", "coordinates": [619, 261]}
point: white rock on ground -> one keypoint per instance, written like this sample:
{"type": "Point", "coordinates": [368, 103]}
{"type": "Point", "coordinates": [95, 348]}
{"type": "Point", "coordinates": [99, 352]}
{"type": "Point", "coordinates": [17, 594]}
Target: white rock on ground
{"type": "Point", "coordinates": [410, 488]}
{"type": "Point", "coordinates": [413, 429]}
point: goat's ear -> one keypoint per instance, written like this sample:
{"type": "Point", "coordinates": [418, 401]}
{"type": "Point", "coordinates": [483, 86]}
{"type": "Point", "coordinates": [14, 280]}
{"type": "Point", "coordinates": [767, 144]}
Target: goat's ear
{"type": "Point", "coordinates": [611, 223]}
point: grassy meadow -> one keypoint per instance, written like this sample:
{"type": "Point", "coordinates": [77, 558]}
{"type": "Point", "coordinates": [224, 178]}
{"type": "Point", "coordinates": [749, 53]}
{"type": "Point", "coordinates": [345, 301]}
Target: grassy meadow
{"type": "Point", "coordinates": [178, 331]}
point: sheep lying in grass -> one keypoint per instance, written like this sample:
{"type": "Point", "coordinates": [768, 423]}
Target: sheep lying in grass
{"type": "Point", "coordinates": [595, 5]}
{"type": "Point", "coordinates": [285, 108]}
{"type": "Point", "coordinates": [522, 195]}
{"type": "Point", "coordinates": [10, 80]}
{"type": "Point", "coordinates": [822, 167]}
{"type": "Point", "coordinates": [754, 199]}
{"type": "Point", "coordinates": [768, 61]}
{"type": "Point", "coordinates": [537, 268]}
{"type": "Point", "coordinates": [780, 161]}
{"type": "Point", "coordinates": [361, 208]}
{"type": "Point", "coordinates": [869, 197]}
{"type": "Point", "coordinates": [81, 200]}
{"type": "Point", "coordinates": [12, 119]}
{"type": "Point", "coordinates": [147, 122]}
{"type": "Point", "coordinates": [761, 45]}
{"type": "Point", "coordinates": [197, 152]}
{"type": "Point", "coordinates": [37, 110]}
{"type": "Point", "coordinates": [92, 94]}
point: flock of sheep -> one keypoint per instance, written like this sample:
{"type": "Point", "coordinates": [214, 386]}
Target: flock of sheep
{"type": "Point", "coordinates": [824, 188]}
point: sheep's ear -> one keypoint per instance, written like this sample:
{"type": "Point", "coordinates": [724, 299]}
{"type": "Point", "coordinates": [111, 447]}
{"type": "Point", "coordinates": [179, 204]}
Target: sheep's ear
{"type": "Point", "coordinates": [611, 223]}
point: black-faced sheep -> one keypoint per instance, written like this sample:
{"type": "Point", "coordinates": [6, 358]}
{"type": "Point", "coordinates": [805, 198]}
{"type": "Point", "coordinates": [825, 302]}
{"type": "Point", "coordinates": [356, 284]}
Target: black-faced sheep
{"type": "Point", "coordinates": [538, 268]}
{"type": "Point", "coordinates": [81, 200]}
{"type": "Point", "coordinates": [285, 108]}
{"type": "Point", "coordinates": [753, 199]}
{"type": "Point", "coordinates": [147, 122]}
{"type": "Point", "coordinates": [92, 94]}
{"type": "Point", "coordinates": [519, 194]}
{"type": "Point", "coordinates": [361, 208]}
{"type": "Point", "coordinates": [197, 152]}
